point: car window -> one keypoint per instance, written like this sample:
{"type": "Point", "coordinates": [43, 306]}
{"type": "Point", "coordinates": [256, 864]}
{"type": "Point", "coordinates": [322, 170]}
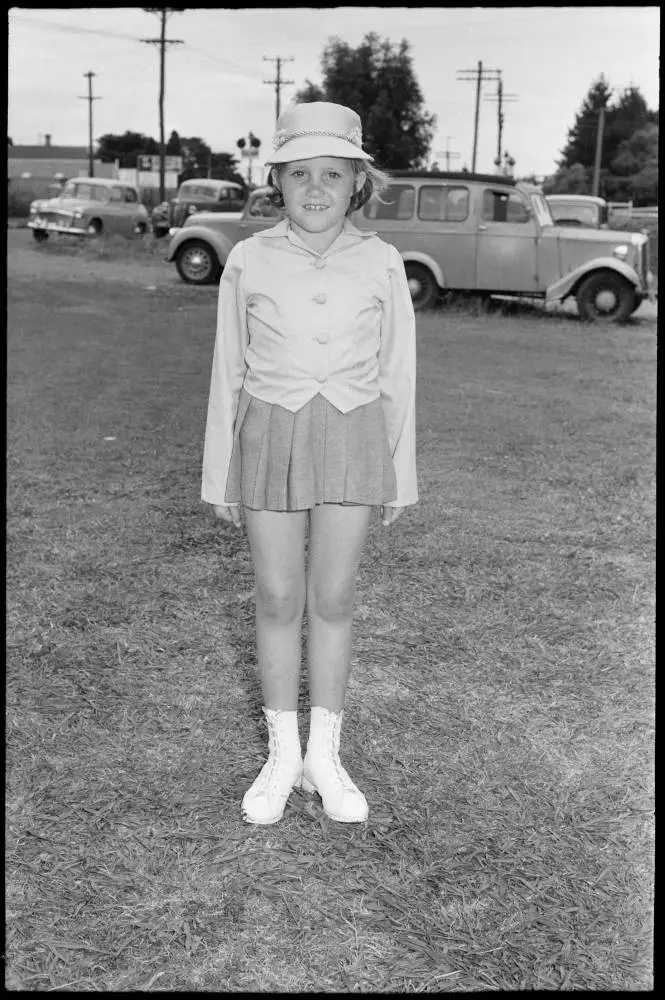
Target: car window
{"type": "Point", "coordinates": [208, 192]}
{"type": "Point", "coordinates": [439, 203]}
{"type": "Point", "coordinates": [504, 206]}
{"type": "Point", "coordinates": [89, 192]}
{"type": "Point", "coordinates": [130, 195]}
{"type": "Point", "coordinates": [397, 202]}
{"type": "Point", "coordinates": [224, 195]}
{"type": "Point", "coordinates": [262, 207]}
{"type": "Point", "coordinates": [116, 194]}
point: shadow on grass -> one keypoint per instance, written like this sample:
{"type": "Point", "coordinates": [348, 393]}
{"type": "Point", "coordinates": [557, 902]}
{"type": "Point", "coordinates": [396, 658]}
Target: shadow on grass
{"type": "Point", "coordinates": [478, 304]}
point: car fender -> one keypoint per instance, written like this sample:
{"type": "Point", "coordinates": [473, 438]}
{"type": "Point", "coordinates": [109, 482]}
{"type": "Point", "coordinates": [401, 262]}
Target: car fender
{"type": "Point", "coordinates": [220, 243]}
{"type": "Point", "coordinates": [417, 257]}
{"type": "Point", "coordinates": [569, 283]}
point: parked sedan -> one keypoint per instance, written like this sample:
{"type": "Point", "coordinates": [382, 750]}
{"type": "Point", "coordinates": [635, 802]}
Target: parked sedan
{"type": "Point", "coordinates": [197, 195]}
{"type": "Point", "coordinates": [89, 206]}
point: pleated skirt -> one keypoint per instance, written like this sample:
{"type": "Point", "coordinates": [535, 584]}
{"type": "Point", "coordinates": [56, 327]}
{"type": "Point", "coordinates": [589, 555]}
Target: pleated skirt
{"type": "Point", "coordinates": [293, 461]}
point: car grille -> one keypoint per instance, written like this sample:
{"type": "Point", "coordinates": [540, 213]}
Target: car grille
{"type": "Point", "coordinates": [59, 218]}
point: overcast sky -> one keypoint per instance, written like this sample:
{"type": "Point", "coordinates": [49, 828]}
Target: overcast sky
{"type": "Point", "coordinates": [215, 89]}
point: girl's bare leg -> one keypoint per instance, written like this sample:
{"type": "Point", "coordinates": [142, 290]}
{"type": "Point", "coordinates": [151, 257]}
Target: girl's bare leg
{"type": "Point", "coordinates": [277, 542]}
{"type": "Point", "coordinates": [336, 540]}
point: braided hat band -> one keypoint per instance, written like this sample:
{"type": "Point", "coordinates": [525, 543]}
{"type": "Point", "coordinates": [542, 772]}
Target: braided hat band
{"type": "Point", "coordinates": [353, 135]}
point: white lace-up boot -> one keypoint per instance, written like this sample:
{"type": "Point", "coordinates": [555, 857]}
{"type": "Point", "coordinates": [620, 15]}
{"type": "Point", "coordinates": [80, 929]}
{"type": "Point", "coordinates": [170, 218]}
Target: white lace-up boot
{"type": "Point", "coordinates": [323, 773]}
{"type": "Point", "coordinates": [264, 802]}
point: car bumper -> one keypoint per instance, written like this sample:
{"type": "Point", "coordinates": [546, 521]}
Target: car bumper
{"type": "Point", "coordinates": [49, 226]}
{"type": "Point", "coordinates": [651, 291]}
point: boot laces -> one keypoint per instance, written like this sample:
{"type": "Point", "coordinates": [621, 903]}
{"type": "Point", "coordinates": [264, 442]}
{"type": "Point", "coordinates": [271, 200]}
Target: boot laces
{"type": "Point", "coordinates": [342, 775]}
{"type": "Point", "coordinates": [272, 776]}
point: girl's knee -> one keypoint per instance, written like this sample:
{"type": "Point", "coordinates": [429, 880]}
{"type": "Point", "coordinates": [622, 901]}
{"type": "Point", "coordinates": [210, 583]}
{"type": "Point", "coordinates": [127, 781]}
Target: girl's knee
{"type": "Point", "coordinates": [331, 603]}
{"type": "Point", "coordinates": [280, 603]}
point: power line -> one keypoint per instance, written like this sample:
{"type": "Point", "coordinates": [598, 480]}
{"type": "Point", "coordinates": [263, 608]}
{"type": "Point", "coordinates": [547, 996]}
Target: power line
{"type": "Point", "coordinates": [73, 28]}
{"type": "Point", "coordinates": [278, 82]}
{"type": "Point", "coordinates": [162, 41]}
{"type": "Point", "coordinates": [224, 62]}
{"type": "Point", "coordinates": [90, 99]}
{"type": "Point", "coordinates": [479, 76]}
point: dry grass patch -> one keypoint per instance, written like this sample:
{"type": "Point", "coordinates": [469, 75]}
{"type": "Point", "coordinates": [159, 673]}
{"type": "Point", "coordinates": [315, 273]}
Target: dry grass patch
{"type": "Point", "coordinates": [500, 711]}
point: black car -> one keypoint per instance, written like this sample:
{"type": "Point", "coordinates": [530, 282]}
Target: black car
{"type": "Point", "coordinates": [197, 195]}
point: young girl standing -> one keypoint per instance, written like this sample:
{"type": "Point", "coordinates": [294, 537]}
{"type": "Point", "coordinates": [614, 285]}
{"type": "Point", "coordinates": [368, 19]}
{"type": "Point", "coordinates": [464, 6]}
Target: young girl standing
{"type": "Point", "coordinates": [311, 424]}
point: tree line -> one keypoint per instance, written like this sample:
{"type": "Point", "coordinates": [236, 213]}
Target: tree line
{"type": "Point", "coordinates": [378, 80]}
{"type": "Point", "coordinates": [629, 152]}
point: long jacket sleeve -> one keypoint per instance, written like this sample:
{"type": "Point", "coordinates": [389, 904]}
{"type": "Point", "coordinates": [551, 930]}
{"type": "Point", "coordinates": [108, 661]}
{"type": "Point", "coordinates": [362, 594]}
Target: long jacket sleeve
{"type": "Point", "coordinates": [228, 373]}
{"type": "Point", "coordinates": [397, 380]}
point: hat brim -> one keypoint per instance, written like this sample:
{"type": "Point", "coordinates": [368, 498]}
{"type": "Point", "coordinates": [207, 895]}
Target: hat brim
{"type": "Point", "coordinates": [307, 147]}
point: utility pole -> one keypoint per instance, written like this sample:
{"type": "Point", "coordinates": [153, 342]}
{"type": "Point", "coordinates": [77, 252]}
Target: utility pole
{"type": "Point", "coordinates": [162, 41]}
{"type": "Point", "coordinates": [479, 75]}
{"type": "Point", "coordinates": [599, 152]}
{"type": "Point", "coordinates": [501, 99]}
{"type": "Point", "coordinates": [448, 154]}
{"type": "Point", "coordinates": [278, 82]}
{"type": "Point", "coordinates": [90, 99]}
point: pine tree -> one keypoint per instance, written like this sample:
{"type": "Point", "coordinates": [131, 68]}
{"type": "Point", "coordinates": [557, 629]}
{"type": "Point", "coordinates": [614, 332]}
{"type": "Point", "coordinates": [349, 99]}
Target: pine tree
{"type": "Point", "coordinates": [581, 145]}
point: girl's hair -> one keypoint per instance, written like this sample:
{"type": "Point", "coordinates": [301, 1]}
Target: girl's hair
{"type": "Point", "coordinates": [376, 181]}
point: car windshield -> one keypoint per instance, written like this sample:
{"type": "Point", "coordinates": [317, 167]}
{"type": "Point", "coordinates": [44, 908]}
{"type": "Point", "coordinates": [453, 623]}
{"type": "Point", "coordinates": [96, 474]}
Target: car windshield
{"type": "Point", "coordinates": [87, 192]}
{"type": "Point", "coordinates": [586, 214]}
{"type": "Point", "coordinates": [542, 210]}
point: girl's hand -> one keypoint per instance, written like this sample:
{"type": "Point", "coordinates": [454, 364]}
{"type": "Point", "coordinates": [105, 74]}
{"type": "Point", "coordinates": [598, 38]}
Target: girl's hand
{"type": "Point", "coordinates": [389, 515]}
{"type": "Point", "coordinates": [229, 513]}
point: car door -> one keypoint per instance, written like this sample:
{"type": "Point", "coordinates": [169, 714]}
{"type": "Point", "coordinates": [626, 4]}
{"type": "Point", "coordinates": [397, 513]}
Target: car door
{"type": "Point", "coordinates": [506, 255]}
{"type": "Point", "coordinates": [116, 216]}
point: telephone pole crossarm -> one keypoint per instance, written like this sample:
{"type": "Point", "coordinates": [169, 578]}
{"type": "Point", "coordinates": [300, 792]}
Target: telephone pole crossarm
{"type": "Point", "coordinates": [278, 82]}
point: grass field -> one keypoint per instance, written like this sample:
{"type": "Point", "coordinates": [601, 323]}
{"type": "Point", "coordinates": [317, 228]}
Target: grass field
{"type": "Point", "coordinates": [500, 712]}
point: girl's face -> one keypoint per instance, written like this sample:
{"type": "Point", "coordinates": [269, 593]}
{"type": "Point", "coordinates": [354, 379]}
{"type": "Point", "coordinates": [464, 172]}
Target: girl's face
{"type": "Point", "coordinates": [316, 196]}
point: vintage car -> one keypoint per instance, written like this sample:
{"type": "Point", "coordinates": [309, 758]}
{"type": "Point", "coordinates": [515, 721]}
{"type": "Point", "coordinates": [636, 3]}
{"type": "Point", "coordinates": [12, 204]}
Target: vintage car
{"type": "Point", "coordinates": [197, 195]}
{"type": "Point", "coordinates": [90, 206]}
{"type": "Point", "coordinates": [578, 210]}
{"type": "Point", "coordinates": [201, 246]}
{"type": "Point", "coordinates": [461, 232]}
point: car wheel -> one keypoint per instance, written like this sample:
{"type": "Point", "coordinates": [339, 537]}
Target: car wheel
{"type": "Point", "coordinates": [422, 285]}
{"type": "Point", "coordinates": [40, 235]}
{"type": "Point", "coordinates": [605, 295]}
{"type": "Point", "coordinates": [197, 263]}
{"type": "Point", "coordinates": [140, 229]}
{"type": "Point", "coordinates": [94, 227]}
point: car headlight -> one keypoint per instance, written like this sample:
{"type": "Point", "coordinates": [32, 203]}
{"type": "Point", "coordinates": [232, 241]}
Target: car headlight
{"type": "Point", "coordinates": [78, 214]}
{"type": "Point", "coordinates": [621, 251]}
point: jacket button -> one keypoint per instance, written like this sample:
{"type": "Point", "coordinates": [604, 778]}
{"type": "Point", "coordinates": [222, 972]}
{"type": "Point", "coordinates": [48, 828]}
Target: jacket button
{"type": "Point", "coordinates": [319, 263]}
{"type": "Point", "coordinates": [321, 378]}
{"type": "Point", "coordinates": [321, 298]}
{"type": "Point", "coordinates": [323, 338]}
